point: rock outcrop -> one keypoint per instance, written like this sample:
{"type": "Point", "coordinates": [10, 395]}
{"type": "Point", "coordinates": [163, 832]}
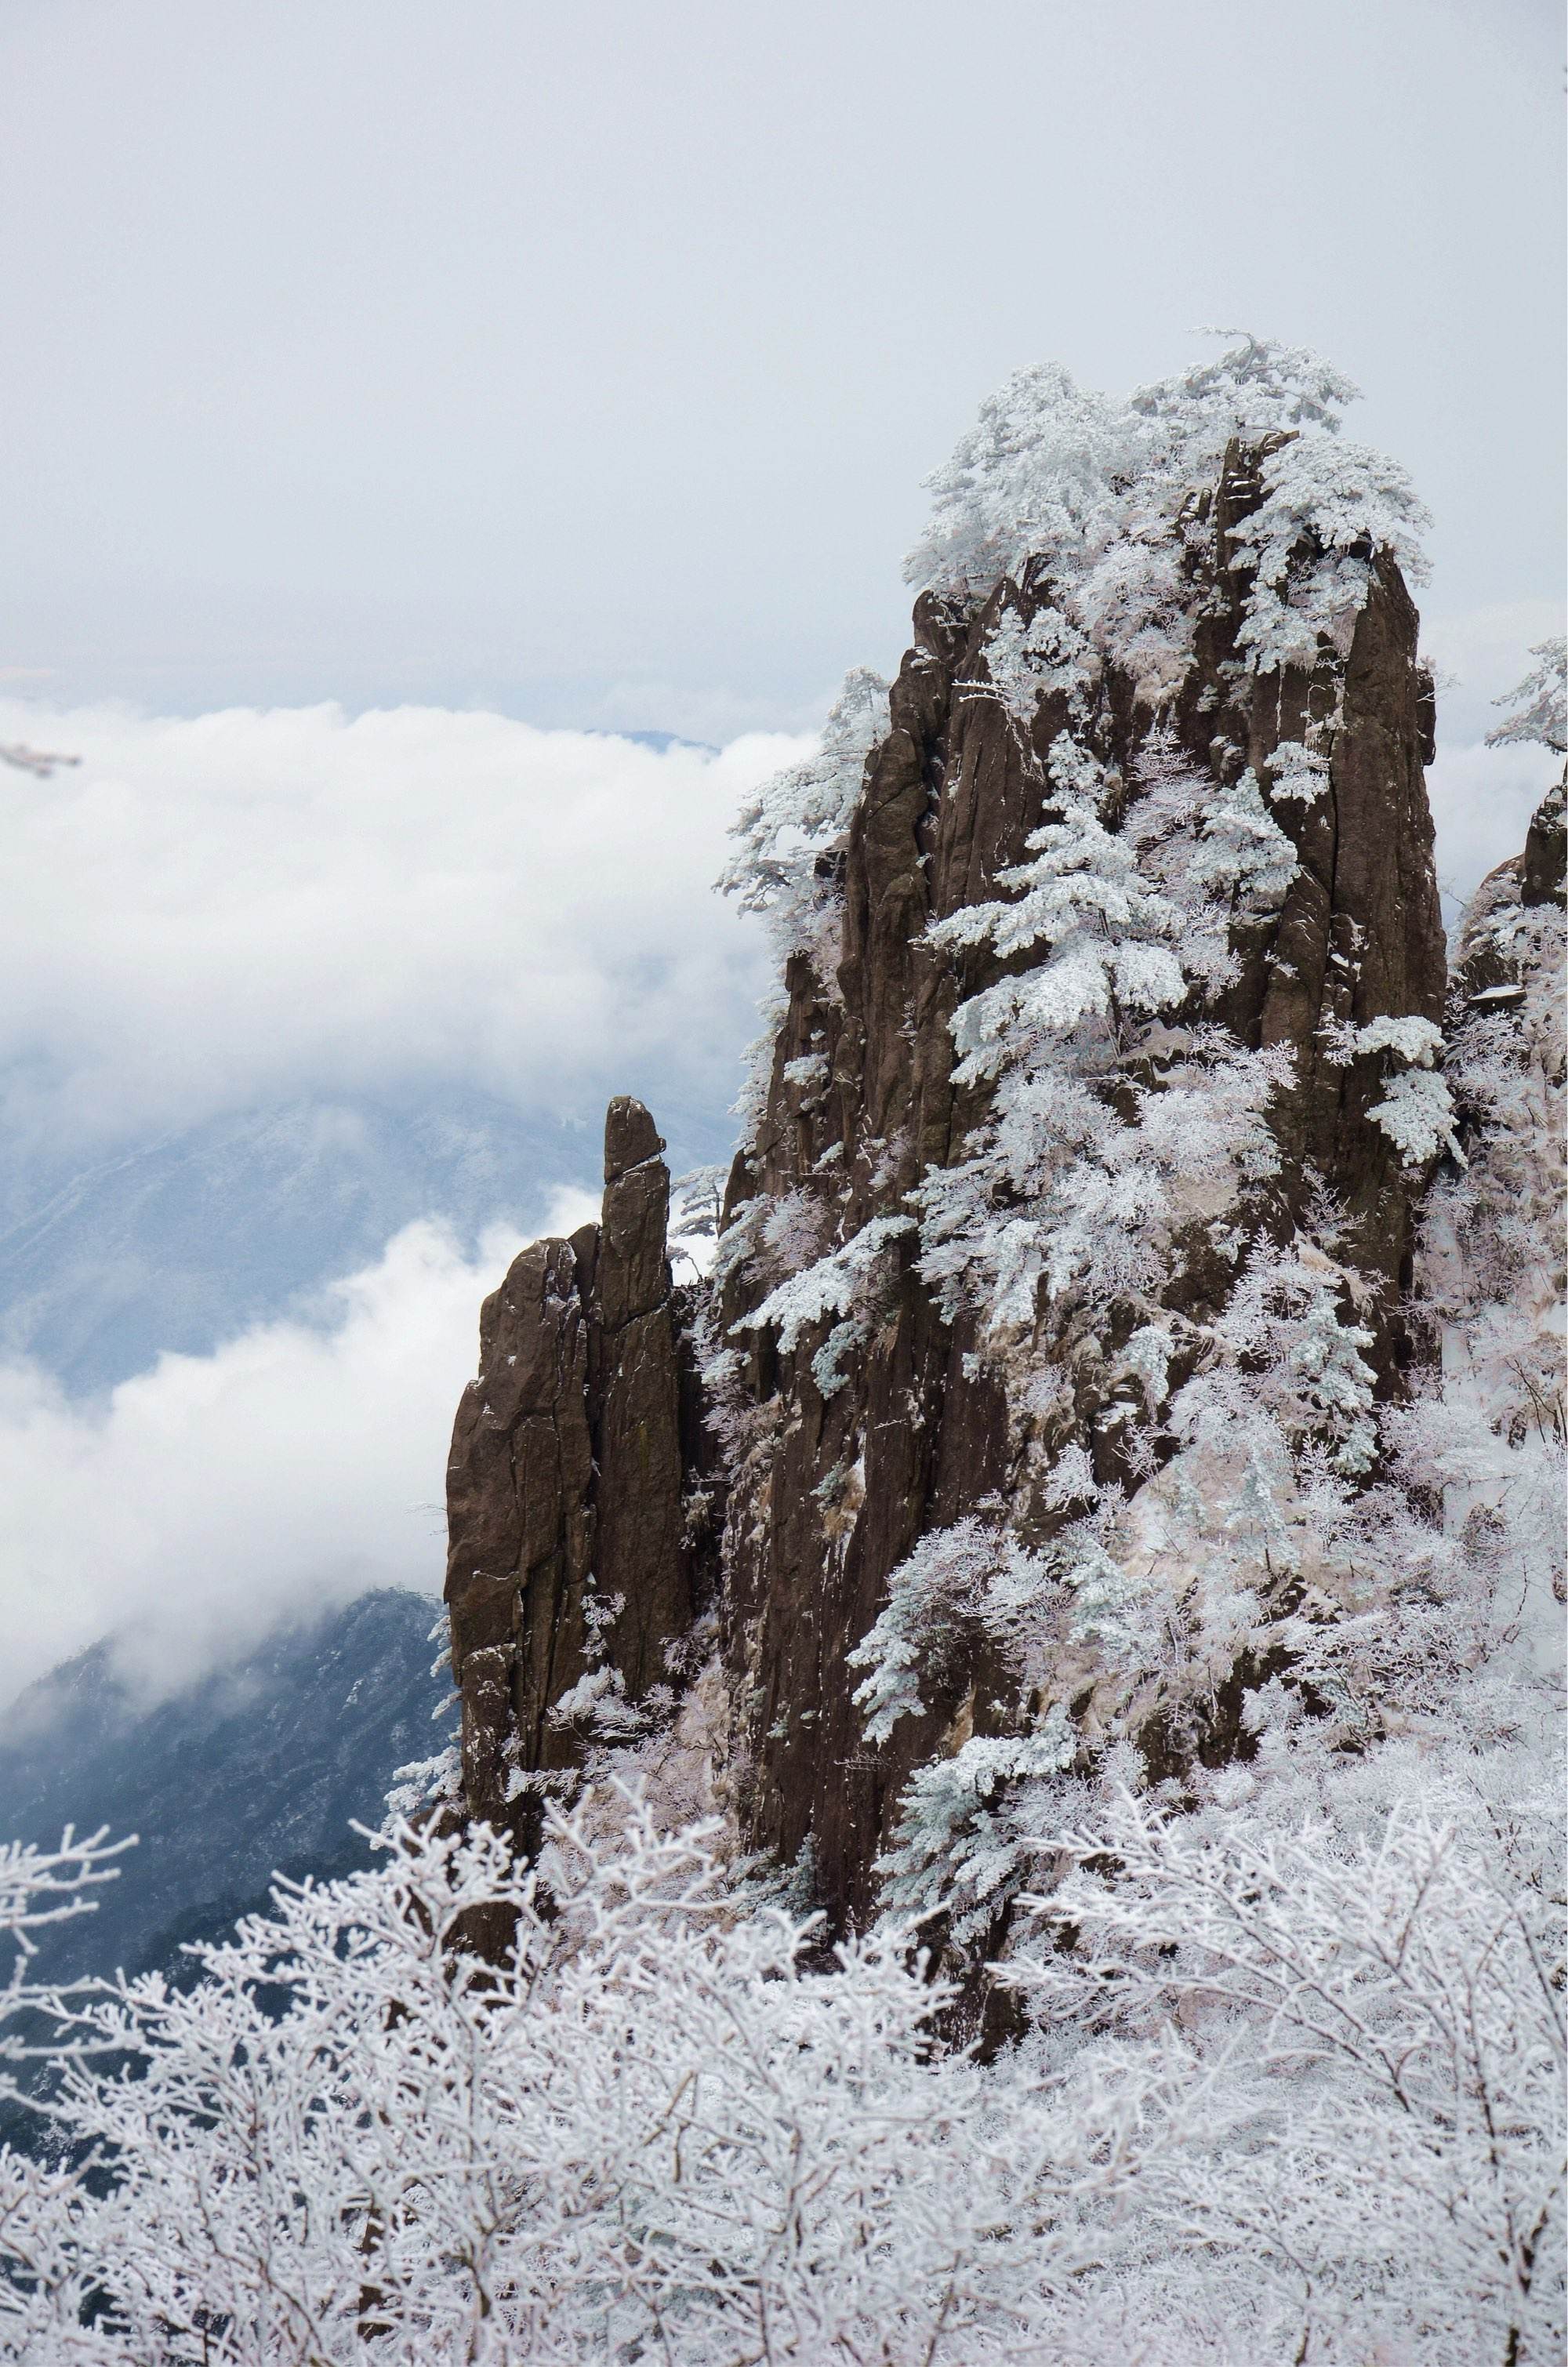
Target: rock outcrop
{"type": "Point", "coordinates": [1492, 953]}
{"type": "Point", "coordinates": [837, 1492]}
{"type": "Point", "coordinates": [567, 1552]}
{"type": "Point", "coordinates": [587, 1439]}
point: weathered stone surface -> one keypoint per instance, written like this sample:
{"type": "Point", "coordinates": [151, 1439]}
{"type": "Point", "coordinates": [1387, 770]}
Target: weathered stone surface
{"type": "Point", "coordinates": [1486, 966]}
{"type": "Point", "coordinates": [630, 1137]}
{"type": "Point", "coordinates": [631, 1277]}
{"type": "Point", "coordinates": [565, 1481]}
{"type": "Point", "coordinates": [519, 1522]}
{"type": "Point", "coordinates": [1544, 867]}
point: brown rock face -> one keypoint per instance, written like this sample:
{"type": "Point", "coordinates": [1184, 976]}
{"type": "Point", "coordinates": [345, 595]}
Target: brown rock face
{"type": "Point", "coordinates": [836, 1493]}
{"type": "Point", "coordinates": [1544, 864]}
{"type": "Point", "coordinates": [564, 1485]}
{"type": "Point", "coordinates": [571, 1461]}
{"type": "Point", "coordinates": [1487, 968]}
{"type": "Point", "coordinates": [520, 1521]}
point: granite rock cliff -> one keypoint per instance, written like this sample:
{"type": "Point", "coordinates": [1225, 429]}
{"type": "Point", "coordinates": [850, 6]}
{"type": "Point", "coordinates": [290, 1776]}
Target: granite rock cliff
{"type": "Point", "coordinates": [741, 1473]}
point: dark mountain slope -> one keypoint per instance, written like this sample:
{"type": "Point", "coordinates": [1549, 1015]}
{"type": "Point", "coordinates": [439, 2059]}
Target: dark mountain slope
{"type": "Point", "coordinates": [180, 1243]}
{"type": "Point", "coordinates": [262, 1768]}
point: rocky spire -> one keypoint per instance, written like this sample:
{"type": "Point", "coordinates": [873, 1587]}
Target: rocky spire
{"type": "Point", "coordinates": [837, 1491]}
{"type": "Point", "coordinates": [566, 1556]}
{"type": "Point", "coordinates": [859, 1406]}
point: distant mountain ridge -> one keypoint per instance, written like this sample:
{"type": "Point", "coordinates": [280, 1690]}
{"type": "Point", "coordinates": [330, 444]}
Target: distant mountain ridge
{"type": "Point", "coordinates": [178, 1243]}
{"type": "Point", "coordinates": [263, 1767]}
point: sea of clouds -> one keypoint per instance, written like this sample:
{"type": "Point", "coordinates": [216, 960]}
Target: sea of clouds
{"type": "Point", "coordinates": [212, 914]}
{"type": "Point", "coordinates": [208, 915]}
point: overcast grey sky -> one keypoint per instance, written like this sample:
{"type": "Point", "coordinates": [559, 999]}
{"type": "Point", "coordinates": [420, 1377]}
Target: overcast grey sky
{"type": "Point", "coordinates": [584, 361]}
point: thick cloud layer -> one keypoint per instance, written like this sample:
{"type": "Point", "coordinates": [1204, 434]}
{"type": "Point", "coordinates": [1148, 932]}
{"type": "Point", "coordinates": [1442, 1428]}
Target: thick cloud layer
{"type": "Point", "coordinates": [247, 909]}
{"type": "Point", "coordinates": [214, 1496]}
{"type": "Point", "coordinates": [210, 914]}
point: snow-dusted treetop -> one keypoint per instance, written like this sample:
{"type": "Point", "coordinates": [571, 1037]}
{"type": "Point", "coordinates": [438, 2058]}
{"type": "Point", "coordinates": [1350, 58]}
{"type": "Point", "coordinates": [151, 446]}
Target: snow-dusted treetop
{"type": "Point", "coordinates": [1540, 703]}
{"type": "Point", "coordinates": [1109, 502]}
{"type": "Point", "coordinates": [797, 814]}
{"type": "Point", "coordinates": [1102, 495]}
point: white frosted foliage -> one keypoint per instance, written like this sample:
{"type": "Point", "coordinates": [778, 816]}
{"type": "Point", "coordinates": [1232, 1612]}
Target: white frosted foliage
{"type": "Point", "coordinates": [798, 818]}
{"type": "Point", "coordinates": [1539, 703]}
{"type": "Point", "coordinates": [1101, 499]}
{"type": "Point", "coordinates": [840, 1284]}
{"type": "Point", "coordinates": [1416, 1113]}
{"type": "Point", "coordinates": [1328, 509]}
